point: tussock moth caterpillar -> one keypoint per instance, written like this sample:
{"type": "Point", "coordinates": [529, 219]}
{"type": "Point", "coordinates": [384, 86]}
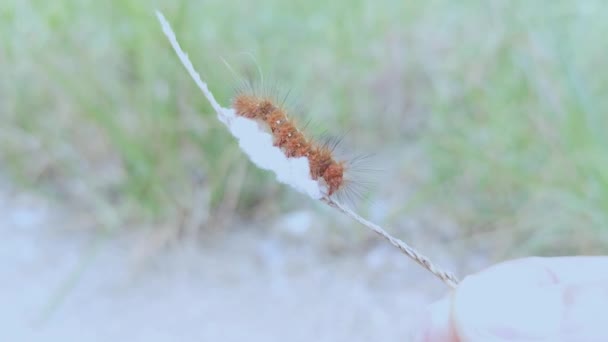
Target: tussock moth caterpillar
{"type": "Point", "coordinates": [296, 160]}
{"type": "Point", "coordinates": [337, 175]}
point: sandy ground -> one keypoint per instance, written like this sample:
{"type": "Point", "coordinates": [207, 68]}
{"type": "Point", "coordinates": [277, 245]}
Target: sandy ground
{"type": "Point", "coordinates": [62, 285]}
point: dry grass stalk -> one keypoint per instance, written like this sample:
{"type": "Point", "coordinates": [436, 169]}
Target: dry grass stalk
{"type": "Point", "coordinates": [242, 131]}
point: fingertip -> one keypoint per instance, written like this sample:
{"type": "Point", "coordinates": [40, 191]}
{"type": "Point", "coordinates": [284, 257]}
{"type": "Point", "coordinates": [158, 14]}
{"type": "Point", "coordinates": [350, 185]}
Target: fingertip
{"type": "Point", "coordinates": [524, 300]}
{"type": "Point", "coordinates": [517, 300]}
{"type": "Point", "coordinates": [584, 318]}
{"type": "Point", "coordinates": [436, 324]}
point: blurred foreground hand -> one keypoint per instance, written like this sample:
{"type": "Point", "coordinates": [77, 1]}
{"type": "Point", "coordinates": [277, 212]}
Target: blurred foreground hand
{"type": "Point", "coordinates": [532, 299]}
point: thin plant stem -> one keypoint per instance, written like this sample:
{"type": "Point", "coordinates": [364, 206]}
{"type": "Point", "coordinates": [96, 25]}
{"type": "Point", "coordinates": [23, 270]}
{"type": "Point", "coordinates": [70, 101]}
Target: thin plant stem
{"type": "Point", "coordinates": [183, 57]}
{"type": "Point", "coordinates": [447, 277]}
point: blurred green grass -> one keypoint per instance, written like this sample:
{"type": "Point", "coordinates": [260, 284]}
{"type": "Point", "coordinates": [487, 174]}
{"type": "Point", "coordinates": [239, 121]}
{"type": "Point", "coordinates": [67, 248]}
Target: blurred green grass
{"type": "Point", "coordinates": [504, 98]}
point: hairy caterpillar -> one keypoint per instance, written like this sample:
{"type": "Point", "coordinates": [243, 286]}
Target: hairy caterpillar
{"type": "Point", "coordinates": [323, 165]}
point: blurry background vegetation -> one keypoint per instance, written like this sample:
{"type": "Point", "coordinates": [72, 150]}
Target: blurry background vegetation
{"type": "Point", "coordinates": [488, 115]}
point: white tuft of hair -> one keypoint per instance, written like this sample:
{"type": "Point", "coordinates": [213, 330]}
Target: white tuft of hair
{"type": "Point", "coordinates": [252, 138]}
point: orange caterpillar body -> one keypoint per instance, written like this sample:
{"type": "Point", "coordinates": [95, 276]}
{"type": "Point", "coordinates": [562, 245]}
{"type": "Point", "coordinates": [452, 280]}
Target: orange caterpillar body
{"type": "Point", "coordinates": [291, 141]}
